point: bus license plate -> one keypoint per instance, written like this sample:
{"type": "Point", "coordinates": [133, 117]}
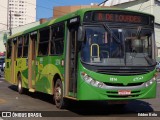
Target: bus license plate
{"type": "Point", "coordinates": [124, 92]}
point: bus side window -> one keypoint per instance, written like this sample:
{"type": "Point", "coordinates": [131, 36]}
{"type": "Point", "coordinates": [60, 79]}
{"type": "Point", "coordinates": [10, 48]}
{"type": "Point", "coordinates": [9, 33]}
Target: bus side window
{"type": "Point", "coordinates": [9, 48]}
{"type": "Point", "coordinates": [44, 42]}
{"type": "Point", "coordinates": [25, 45]}
{"type": "Point", "coordinates": [57, 42]}
{"type": "Point", "coordinates": [52, 43]}
{"type": "Point", "coordinates": [20, 43]}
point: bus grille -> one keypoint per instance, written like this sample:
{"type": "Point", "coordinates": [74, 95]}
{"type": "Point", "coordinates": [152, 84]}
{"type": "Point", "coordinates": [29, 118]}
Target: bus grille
{"type": "Point", "coordinates": [122, 72]}
{"type": "Point", "coordinates": [121, 84]}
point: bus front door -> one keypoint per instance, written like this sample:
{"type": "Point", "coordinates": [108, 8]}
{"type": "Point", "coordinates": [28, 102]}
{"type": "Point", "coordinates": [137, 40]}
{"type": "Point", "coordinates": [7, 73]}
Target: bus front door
{"type": "Point", "coordinates": [71, 63]}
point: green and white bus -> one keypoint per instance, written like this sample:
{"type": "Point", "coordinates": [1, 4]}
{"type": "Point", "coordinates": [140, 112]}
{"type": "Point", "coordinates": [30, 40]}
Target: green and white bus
{"type": "Point", "coordinates": [91, 54]}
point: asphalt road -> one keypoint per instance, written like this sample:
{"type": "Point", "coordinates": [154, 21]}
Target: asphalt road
{"type": "Point", "coordinates": [11, 100]}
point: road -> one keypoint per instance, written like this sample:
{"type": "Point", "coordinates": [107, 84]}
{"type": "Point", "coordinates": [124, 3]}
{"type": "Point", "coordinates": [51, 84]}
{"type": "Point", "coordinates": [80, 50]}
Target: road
{"type": "Point", "coordinates": [11, 100]}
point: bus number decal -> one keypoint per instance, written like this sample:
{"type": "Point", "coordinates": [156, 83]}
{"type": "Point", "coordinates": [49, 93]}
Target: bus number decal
{"type": "Point", "coordinates": [113, 79]}
{"type": "Point", "coordinates": [41, 60]}
{"type": "Point", "coordinates": [58, 62]}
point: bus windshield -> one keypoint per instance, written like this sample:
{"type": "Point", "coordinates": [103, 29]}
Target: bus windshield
{"type": "Point", "coordinates": [117, 47]}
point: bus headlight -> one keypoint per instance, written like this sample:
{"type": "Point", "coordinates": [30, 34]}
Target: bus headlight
{"type": "Point", "coordinates": [91, 81]}
{"type": "Point", "coordinates": [150, 82]}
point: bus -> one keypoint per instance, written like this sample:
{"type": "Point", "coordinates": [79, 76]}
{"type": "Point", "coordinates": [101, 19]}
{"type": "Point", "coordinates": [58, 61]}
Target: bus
{"type": "Point", "coordinates": [91, 54]}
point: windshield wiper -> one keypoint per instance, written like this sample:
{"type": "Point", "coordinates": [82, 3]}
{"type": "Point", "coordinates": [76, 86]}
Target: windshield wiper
{"type": "Point", "coordinates": [148, 60]}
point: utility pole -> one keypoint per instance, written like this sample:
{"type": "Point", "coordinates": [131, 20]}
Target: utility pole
{"type": "Point", "coordinates": [10, 26]}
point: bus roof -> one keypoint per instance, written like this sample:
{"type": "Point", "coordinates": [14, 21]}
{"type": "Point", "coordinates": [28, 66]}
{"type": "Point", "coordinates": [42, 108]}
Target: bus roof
{"type": "Point", "coordinates": [67, 16]}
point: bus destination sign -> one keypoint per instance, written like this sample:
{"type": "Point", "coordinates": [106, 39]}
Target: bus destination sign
{"type": "Point", "coordinates": [120, 17]}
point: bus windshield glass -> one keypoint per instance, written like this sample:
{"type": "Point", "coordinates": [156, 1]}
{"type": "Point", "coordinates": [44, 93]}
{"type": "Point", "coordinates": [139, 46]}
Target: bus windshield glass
{"type": "Point", "coordinates": [117, 46]}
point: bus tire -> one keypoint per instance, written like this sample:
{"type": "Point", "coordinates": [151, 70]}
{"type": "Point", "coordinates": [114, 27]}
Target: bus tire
{"type": "Point", "coordinates": [20, 88]}
{"type": "Point", "coordinates": [58, 94]}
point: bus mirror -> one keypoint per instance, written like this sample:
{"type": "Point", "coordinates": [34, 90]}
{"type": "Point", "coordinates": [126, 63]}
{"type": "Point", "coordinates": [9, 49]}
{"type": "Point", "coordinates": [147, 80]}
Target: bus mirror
{"type": "Point", "coordinates": [80, 34]}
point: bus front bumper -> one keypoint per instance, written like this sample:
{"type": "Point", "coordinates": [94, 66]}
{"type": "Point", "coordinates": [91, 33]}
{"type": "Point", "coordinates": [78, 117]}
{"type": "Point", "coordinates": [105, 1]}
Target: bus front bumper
{"type": "Point", "coordinates": [88, 92]}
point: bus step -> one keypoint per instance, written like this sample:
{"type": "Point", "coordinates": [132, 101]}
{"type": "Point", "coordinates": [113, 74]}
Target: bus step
{"type": "Point", "coordinates": [68, 97]}
{"type": "Point", "coordinates": [31, 90]}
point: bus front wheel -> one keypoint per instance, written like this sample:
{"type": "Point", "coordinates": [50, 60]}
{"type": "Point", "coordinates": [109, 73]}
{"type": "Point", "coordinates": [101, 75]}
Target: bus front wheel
{"type": "Point", "coordinates": [20, 88]}
{"type": "Point", "coordinates": [58, 94]}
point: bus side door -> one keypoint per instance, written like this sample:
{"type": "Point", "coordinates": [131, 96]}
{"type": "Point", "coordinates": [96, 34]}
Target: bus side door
{"type": "Point", "coordinates": [13, 61]}
{"type": "Point", "coordinates": [32, 61]}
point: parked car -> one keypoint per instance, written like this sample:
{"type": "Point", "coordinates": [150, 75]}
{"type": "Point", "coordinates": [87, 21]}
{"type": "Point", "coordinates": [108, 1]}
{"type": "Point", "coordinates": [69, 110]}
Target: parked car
{"type": "Point", "coordinates": [2, 60]}
{"type": "Point", "coordinates": [3, 66]}
{"type": "Point", "coordinates": [158, 66]}
{"type": "Point", "coordinates": [0, 73]}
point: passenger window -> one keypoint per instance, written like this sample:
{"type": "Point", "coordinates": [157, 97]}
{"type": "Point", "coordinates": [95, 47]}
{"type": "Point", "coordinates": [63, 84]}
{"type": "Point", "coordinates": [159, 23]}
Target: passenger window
{"type": "Point", "coordinates": [9, 48]}
{"type": "Point", "coordinates": [44, 42]}
{"type": "Point", "coordinates": [25, 46]}
{"type": "Point", "coordinates": [20, 43]}
{"type": "Point", "coordinates": [57, 41]}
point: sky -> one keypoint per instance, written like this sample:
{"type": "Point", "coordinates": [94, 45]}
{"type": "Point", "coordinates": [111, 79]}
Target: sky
{"type": "Point", "coordinates": [45, 7]}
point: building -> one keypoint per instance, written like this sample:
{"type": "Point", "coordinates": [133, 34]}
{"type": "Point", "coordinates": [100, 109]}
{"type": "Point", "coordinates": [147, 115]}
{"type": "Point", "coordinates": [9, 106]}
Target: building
{"type": "Point", "coordinates": [14, 30]}
{"type": "Point", "coordinates": [21, 12]}
{"type": "Point", "coordinates": [15, 13]}
{"type": "Point", "coordinates": [148, 6]}
{"type": "Point", "coordinates": [3, 13]}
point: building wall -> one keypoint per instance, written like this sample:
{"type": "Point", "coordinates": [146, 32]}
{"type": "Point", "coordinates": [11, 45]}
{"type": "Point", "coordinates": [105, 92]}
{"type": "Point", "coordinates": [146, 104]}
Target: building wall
{"type": "Point", "coordinates": [22, 12]}
{"type": "Point", "coordinates": [157, 37]}
{"type": "Point", "coordinates": [2, 47]}
{"type": "Point", "coordinates": [147, 6]}
{"type": "Point", "coordinates": [31, 11]}
{"type": "Point", "coordinates": [3, 13]}
{"type": "Point", "coordinates": [156, 11]}
{"type": "Point", "coordinates": [3, 21]}
{"type": "Point", "coordinates": [115, 2]}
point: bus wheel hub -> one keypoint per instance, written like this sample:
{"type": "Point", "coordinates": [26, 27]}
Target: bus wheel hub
{"type": "Point", "coordinates": [58, 93]}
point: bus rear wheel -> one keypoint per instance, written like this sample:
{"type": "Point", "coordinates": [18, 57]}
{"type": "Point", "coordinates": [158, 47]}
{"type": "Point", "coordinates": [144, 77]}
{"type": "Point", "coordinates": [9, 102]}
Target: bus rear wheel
{"type": "Point", "coordinates": [58, 94]}
{"type": "Point", "coordinates": [20, 88]}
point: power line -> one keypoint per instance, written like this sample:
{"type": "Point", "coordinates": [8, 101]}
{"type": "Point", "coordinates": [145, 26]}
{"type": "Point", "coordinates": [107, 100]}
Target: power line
{"type": "Point", "coordinates": [102, 2]}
